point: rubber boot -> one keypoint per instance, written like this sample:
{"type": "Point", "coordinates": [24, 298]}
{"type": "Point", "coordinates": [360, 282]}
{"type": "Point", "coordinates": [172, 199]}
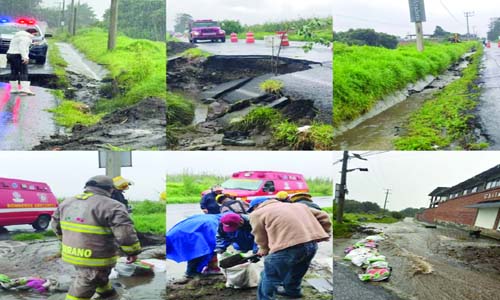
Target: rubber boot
{"type": "Point", "coordinates": [14, 87]}
{"type": "Point", "coordinates": [25, 88]}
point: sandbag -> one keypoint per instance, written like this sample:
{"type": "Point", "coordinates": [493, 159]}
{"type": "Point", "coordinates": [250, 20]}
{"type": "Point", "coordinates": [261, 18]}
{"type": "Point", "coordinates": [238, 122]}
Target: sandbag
{"type": "Point", "coordinates": [242, 276]}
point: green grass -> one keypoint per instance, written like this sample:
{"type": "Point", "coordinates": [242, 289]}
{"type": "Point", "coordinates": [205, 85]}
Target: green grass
{"type": "Point", "coordinates": [364, 75]}
{"type": "Point", "coordinates": [194, 53]}
{"type": "Point", "coordinates": [137, 66]}
{"type": "Point", "coordinates": [33, 236]}
{"type": "Point", "coordinates": [370, 218]}
{"type": "Point", "coordinates": [180, 111]}
{"type": "Point", "coordinates": [260, 118]}
{"type": "Point", "coordinates": [59, 65]}
{"type": "Point", "coordinates": [319, 137]}
{"type": "Point", "coordinates": [149, 216]}
{"type": "Point", "coordinates": [446, 118]}
{"type": "Point", "coordinates": [187, 188]}
{"type": "Point", "coordinates": [70, 113]}
{"type": "Point", "coordinates": [272, 86]}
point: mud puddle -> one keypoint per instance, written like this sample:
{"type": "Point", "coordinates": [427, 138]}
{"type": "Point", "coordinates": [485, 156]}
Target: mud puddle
{"type": "Point", "coordinates": [459, 267]}
{"type": "Point", "coordinates": [42, 259]}
{"type": "Point", "coordinates": [225, 89]}
{"type": "Point", "coordinates": [387, 121]}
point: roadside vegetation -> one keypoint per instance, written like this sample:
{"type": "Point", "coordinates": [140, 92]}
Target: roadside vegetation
{"type": "Point", "coordinates": [59, 65]}
{"type": "Point", "coordinates": [187, 188]}
{"type": "Point", "coordinates": [272, 86]}
{"type": "Point", "coordinates": [70, 113]}
{"type": "Point", "coordinates": [194, 53]}
{"type": "Point", "coordinates": [149, 216]}
{"type": "Point", "coordinates": [33, 236]}
{"type": "Point", "coordinates": [359, 213]}
{"type": "Point", "coordinates": [364, 74]}
{"type": "Point", "coordinates": [448, 118]}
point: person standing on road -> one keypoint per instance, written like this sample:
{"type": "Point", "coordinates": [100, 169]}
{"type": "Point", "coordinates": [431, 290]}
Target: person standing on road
{"type": "Point", "coordinates": [287, 234]}
{"type": "Point", "coordinates": [89, 226]}
{"type": "Point", "coordinates": [208, 203]}
{"type": "Point", "coordinates": [120, 186]}
{"type": "Point", "coordinates": [18, 58]}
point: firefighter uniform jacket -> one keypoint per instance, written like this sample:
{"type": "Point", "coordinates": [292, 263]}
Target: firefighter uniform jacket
{"type": "Point", "coordinates": [89, 225]}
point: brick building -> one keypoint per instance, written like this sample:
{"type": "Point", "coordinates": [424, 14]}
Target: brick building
{"type": "Point", "coordinates": [474, 203]}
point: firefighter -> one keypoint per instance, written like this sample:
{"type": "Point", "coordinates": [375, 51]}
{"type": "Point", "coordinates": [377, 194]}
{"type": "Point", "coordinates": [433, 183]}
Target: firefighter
{"type": "Point", "coordinates": [282, 196]}
{"type": "Point", "coordinates": [18, 58]}
{"type": "Point", "coordinates": [120, 186]}
{"type": "Point", "coordinates": [304, 198]}
{"type": "Point", "coordinates": [208, 204]}
{"type": "Point", "coordinates": [89, 226]}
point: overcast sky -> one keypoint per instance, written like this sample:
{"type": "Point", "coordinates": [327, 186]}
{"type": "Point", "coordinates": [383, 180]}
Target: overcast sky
{"type": "Point", "coordinates": [310, 164]}
{"type": "Point", "coordinates": [412, 175]}
{"type": "Point", "coordinates": [393, 16]}
{"type": "Point", "coordinates": [248, 12]}
{"type": "Point", "coordinates": [66, 171]}
{"type": "Point", "coordinates": [99, 6]}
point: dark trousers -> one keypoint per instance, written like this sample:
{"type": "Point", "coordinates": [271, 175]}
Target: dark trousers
{"type": "Point", "coordinates": [286, 267]}
{"type": "Point", "coordinates": [18, 70]}
{"type": "Point", "coordinates": [195, 266]}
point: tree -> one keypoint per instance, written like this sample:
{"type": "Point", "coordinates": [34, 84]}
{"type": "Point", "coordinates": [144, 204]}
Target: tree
{"type": "Point", "coordinates": [20, 7]}
{"type": "Point", "coordinates": [440, 32]}
{"type": "Point", "coordinates": [231, 26]}
{"type": "Point", "coordinates": [494, 32]}
{"type": "Point", "coordinates": [367, 37]}
{"type": "Point", "coordinates": [182, 22]}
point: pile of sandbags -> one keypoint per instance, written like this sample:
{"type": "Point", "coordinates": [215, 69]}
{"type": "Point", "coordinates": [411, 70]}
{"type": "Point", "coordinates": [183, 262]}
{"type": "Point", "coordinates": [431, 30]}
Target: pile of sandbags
{"type": "Point", "coordinates": [365, 254]}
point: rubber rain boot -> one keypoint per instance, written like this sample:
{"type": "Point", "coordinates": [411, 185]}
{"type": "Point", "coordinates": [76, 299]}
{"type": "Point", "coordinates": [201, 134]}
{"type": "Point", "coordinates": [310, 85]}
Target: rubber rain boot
{"type": "Point", "coordinates": [25, 88]}
{"type": "Point", "coordinates": [14, 87]}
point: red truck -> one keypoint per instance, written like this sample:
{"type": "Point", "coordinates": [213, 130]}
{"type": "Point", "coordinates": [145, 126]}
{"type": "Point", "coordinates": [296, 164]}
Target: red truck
{"type": "Point", "coordinates": [26, 202]}
{"type": "Point", "coordinates": [207, 30]}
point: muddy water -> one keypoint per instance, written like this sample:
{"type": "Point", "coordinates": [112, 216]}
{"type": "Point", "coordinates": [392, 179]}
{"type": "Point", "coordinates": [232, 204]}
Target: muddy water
{"type": "Point", "coordinates": [490, 96]}
{"type": "Point", "coordinates": [380, 131]}
{"type": "Point", "coordinates": [412, 249]}
{"type": "Point", "coordinates": [178, 212]}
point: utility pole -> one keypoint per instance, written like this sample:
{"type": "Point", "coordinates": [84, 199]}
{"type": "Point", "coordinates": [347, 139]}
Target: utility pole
{"type": "Point", "coordinates": [75, 13]}
{"type": "Point", "coordinates": [70, 15]}
{"type": "Point", "coordinates": [468, 14]}
{"type": "Point", "coordinates": [343, 183]}
{"type": "Point", "coordinates": [387, 193]}
{"type": "Point", "coordinates": [63, 17]}
{"type": "Point", "coordinates": [113, 25]}
{"type": "Point", "coordinates": [417, 16]}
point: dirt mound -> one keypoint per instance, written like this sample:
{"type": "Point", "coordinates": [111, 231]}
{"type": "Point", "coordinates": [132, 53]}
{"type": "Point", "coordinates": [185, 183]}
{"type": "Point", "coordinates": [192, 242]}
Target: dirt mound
{"type": "Point", "coordinates": [141, 126]}
{"type": "Point", "coordinates": [174, 48]}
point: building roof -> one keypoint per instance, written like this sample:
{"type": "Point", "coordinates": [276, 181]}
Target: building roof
{"type": "Point", "coordinates": [438, 190]}
{"type": "Point", "coordinates": [490, 204]}
{"type": "Point", "coordinates": [488, 175]}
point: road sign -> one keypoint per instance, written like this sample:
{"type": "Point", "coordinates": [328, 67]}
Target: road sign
{"type": "Point", "coordinates": [417, 11]}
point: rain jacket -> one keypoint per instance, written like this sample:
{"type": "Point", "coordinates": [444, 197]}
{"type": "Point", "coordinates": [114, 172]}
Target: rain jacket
{"type": "Point", "coordinates": [192, 238]}
{"type": "Point", "coordinates": [89, 224]}
{"type": "Point", "coordinates": [308, 202]}
{"type": "Point", "coordinates": [208, 202]}
{"type": "Point", "coordinates": [242, 238]}
{"type": "Point", "coordinates": [20, 44]}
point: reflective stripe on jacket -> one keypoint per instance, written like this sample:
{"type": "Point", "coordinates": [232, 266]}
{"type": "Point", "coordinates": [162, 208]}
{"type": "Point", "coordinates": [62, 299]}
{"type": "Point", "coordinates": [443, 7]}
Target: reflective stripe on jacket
{"type": "Point", "coordinates": [91, 225]}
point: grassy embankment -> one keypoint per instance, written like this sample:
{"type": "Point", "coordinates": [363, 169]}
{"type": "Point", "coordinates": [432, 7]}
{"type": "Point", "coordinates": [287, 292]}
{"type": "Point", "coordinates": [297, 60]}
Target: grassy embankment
{"type": "Point", "coordinates": [446, 119]}
{"type": "Point", "coordinates": [136, 68]}
{"type": "Point", "coordinates": [364, 75]}
{"type": "Point", "coordinates": [187, 188]}
{"type": "Point", "coordinates": [148, 217]}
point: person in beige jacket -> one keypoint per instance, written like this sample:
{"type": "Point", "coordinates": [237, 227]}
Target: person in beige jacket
{"type": "Point", "coordinates": [90, 225]}
{"type": "Point", "coordinates": [287, 234]}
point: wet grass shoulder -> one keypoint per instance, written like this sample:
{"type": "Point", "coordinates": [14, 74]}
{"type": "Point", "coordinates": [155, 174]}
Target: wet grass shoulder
{"type": "Point", "coordinates": [33, 236]}
{"type": "Point", "coordinates": [187, 188]}
{"type": "Point", "coordinates": [59, 65]}
{"type": "Point", "coordinates": [71, 113]}
{"type": "Point", "coordinates": [448, 118]}
{"type": "Point", "coordinates": [364, 75]}
{"type": "Point", "coordinates": [194, 53]}
{"type": "Point", "coordinates": [352, 221]}
{"type": "Point", "coordinates": [149, 216]}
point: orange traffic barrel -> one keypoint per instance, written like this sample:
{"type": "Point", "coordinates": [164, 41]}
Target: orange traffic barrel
{"type": "Point", "coordinates": [284, 38]}
{"type": "Point", "coordinates": [250, 38]}
{"type": "Point", "coordinates": [234, 38]}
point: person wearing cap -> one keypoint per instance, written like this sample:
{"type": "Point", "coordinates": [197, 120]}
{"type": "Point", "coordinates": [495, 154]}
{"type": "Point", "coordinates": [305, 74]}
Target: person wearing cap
{"type": "Point", "coordinates": [235, 229]}
{"type": "Point", "coordinates": [287, 234]}
{"type": "Point", "coordinates": [208, 203]}
{"type": "Point", "coordinates": [282, 196]}
{"type": "Point", "coordinates": [18, 58]}
{"type": "Point", "coordinates": [120, 186]}
{"type": "Point", "coordinates": [91, 226]}
{"type": "Point", "coordinates": [229, 204]}
{"type": "Point", "coordinates": [304, 198]}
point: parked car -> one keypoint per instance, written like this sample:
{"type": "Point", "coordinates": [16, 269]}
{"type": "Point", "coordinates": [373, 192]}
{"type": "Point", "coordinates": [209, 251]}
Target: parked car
{"type": "Point", "coordinates": [207, 30]}
{"type": "Point", "coordinates": [26, 202]}
{"type": "Point", "coordinates": [247, 185]}
{"type": "Point", "coordinates": [39, 46]}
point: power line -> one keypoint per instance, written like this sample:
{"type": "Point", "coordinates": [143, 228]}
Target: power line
{"type": "Point", "coordinates": [368, 20]}
{"type": "Point", "coordinates": [449, 12]}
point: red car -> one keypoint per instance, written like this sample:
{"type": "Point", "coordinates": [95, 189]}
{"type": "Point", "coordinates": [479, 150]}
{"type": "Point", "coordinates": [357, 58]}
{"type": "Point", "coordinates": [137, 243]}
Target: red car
{"type": "Point", "coordinates": [207, 30]}
{"type": "Point", "coordinates": [26, 202]}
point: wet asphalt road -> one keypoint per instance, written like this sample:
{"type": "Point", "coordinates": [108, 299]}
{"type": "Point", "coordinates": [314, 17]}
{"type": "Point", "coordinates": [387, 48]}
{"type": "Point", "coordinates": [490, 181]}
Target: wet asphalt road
{"type": "Point", "coordinates": [489, 107]}
{"type": "Point", "coordinates": [317, 54]}
{"type": "Point", "coordinates": [24, 120]}
{"type": "Point", "coordinates": [78, 64]}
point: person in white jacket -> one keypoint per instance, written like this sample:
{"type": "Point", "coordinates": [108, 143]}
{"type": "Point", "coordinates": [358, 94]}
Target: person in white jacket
{"type": "Point", "coordinates": [18, 58]}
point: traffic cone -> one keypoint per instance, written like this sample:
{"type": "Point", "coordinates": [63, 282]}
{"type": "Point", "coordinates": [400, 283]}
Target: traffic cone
{"type": "Point", "coordinates": [250, 38]}
{"type": "Point", "coordinates": [498, 44]}
{"type": "Point", "coordinates": [283, 35]}
{"type": "Point", "coordinates": [488, 44]}
{"type": "Point", "coordinates": [234, 38]}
